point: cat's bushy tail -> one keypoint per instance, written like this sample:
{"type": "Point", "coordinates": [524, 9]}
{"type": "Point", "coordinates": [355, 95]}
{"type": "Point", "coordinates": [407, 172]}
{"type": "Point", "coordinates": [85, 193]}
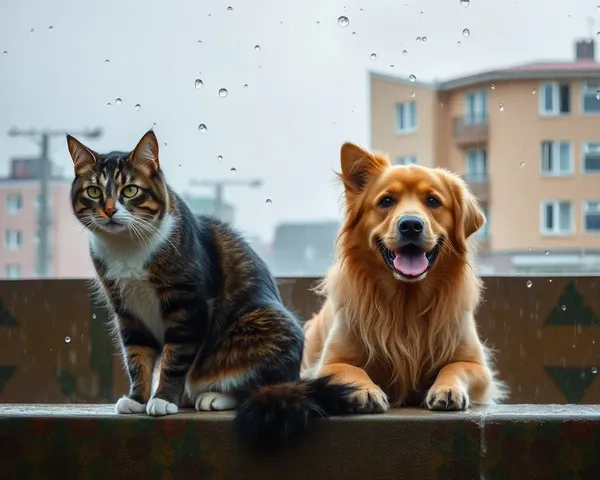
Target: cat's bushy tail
{"type": "Point", "coordinates": [272, 414]}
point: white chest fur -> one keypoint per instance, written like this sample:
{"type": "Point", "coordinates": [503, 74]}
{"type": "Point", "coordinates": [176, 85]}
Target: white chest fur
{"type": "Point", "coordinates": [125, 262]}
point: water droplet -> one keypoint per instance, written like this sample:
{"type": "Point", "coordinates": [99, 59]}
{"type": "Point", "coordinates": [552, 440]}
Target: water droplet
{"type": "Point", "coordinates": [391, 66]}
{"type": "Point", "coordinates": [534, 91]}
{"type": "Point", "coordinates": [67, 339]}
{"type": "Point", "coordinates": [412, 78]}
{"type": "Point", "coordinates": [257, 48]}
{"type": "Point", "coordinates": [107, 61]}
{"type": "Point", "coordinates": [180, 165]}
{"type": "Point", "coordinates": [233, 170]}
{"type": "Point", "coordinates": [202, 128]}
{"type": "Point", "coordinates": [546, 252]}
{"type": "Point", "coordinates": [165, 144]}
{"type": "Point", "coordinates": [529, 283]}
{"type": "Point", "coordinates": [118, 101]}
{"type": "Point", "coordinates": [464, 3]}
{"type": "Point", "coordinates": [550, 281]}
{"type": "Point", "coordinates": [198, 83]}
{"type": "Point", "coordinates": [268, 201]}
{"type": "Point", "coordinates": [373, 56]}
{"type": "Point", "coordinates": [94, 316]}
{"type": "Point", "coordinates": [424, 39]}
{"type": "Point", "coordinates": [31, 30]}
{"type": "Point", "coordinates": [4, 52]}
{"type": "Point", "coordinates": [343, 22]}
{"type": "Point", "coordinates": [353, 33]}
{"type": "Point", "coordinates": [220, 158]}
{"type": "Point", "coordinates": [245, 85]}
{"type": "Point", "coordinates": [501, 107]}
{"type": "Point", "coordinates": [318, 23]}
{"type": "Point", "coordinates": [522, 164]}
{"type": "Point", "coordinates": [413, 94]}
{"type": "Point", "coordinates": [418, 39]}
{"type": "Point", "coordinates": [138, 106]}
{"type": "Point", "coordinates": [199, 42]}
{"type": "Point", "coordinates": [223, 92]}
{"type": "Point", "coordinates": [404, 52]}
{"type": "Point", "coordinates": [598, 95]}
{"type": "Point", "coordinates": [564, 307]}
{"type": "Point", "coordinates": [109, 104]}
{"type": "Point", "coordinates": [466, 33]}
{"type": "Point", "coordinates": [493, 86]}
{"type": "Point", "coordinates": [594, 370]}
{"type": "Point", "coordinates": [229, 9]}
{"type": "Point", "coordinates": [50, 28]}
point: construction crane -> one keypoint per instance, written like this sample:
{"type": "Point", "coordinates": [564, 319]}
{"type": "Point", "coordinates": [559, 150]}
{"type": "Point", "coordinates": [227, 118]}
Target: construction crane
{"type": "Point", "coordinates": [219, 187]}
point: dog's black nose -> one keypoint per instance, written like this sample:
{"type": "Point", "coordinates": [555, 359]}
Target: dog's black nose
{"type": "Point", "coordinates": [411, 226]}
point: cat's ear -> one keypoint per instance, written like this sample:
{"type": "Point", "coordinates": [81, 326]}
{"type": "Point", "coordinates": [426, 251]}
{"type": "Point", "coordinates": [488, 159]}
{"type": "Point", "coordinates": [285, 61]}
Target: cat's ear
{"type": "Point", "coordinates": [145, 154]}
{"type": "Point", "coordinates": [83, 157]}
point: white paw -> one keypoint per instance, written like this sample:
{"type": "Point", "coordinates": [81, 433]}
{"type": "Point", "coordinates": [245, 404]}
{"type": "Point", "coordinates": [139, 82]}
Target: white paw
{"type": "Point", "coordinates": [158, 407]}
{"type": "Point", "coordinates": [215, 401]}
{"type": "Point", "coordinates": [126, 405]}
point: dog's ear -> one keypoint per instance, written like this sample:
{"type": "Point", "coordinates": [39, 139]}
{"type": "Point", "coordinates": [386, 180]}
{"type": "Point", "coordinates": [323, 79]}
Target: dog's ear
{"type": "Point", "coordinates": [468, 215]}
{"type": "Point", "coordinates": [358, 165]}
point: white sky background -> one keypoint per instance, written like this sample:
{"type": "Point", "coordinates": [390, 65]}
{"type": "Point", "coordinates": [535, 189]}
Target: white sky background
{"type": "Point", "coordinates": [307, 94]}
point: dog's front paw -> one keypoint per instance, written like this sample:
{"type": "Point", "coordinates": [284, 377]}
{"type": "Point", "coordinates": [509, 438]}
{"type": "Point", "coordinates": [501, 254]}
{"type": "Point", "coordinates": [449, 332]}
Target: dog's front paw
{"type": "Point", "coordinates": [157, 407]}
{"type": "Point", "coordinates": [126, 405]}
{"type": "Point", "coordinates": [447, 398]}
{"type": "Point", "coordinates": [370, 400]}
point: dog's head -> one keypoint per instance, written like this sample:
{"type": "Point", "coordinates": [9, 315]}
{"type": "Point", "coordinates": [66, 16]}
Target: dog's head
{"type": "Point", "coordinates": [407, 216]}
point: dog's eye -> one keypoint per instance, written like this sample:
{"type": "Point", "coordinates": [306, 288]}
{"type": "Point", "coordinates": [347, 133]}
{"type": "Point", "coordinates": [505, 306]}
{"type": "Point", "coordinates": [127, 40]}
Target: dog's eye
{"type": "Point", "coordinates": [386, 202]}
{"type": "Point", "coordinates": [433, 202]}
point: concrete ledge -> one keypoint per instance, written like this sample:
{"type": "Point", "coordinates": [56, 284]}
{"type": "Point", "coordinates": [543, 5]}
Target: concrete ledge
{"type": "Point", "coordinates": [511, 441]}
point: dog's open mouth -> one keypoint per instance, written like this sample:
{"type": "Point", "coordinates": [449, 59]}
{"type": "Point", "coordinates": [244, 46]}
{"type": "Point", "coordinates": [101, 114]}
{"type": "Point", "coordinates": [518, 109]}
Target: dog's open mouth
{"type": "Point", "coordinates": [410, 261]}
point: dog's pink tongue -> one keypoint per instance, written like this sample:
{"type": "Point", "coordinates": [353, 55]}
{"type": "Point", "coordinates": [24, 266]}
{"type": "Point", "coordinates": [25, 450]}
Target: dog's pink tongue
{"type": "Point", "coordinates": [411, 264]}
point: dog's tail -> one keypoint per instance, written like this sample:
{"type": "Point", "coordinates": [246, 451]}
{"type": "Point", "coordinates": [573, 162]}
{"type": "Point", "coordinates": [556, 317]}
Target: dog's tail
{"type": "Point", "coordinates": [273, 414]}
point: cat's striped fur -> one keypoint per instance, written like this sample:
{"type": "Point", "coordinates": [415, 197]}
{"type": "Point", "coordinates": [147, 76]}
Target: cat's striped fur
{"type": "Point", "coordinates": [194, 306]}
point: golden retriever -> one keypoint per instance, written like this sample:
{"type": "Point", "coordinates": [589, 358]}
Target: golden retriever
{"type": "Point", "coordinates": [398, 319]}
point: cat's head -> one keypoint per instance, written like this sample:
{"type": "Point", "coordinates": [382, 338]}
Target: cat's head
{"type": "Point", "coordinates": [119, 192]}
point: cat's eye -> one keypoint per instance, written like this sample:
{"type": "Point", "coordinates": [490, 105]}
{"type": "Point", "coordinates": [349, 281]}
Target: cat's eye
{"type": "Point", "coordinates": [130, 191]}
{"type": "Point", "coordinates": [94, 192]}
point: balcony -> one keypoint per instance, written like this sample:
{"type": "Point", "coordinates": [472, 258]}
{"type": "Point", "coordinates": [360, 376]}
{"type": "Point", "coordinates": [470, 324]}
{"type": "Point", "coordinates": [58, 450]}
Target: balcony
{"type": "Point", "coordinates": [479, 184]}
{"type": "Point", "coordinates": [471, 130]}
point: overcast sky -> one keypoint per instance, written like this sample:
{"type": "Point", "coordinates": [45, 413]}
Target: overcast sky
{"type": "Point", "coordinates": [307, 85]}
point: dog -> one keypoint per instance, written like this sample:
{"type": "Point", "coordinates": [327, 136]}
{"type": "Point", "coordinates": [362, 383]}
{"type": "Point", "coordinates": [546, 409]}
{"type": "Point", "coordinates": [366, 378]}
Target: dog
{"type": "Point", "coordinates": [398, 317]}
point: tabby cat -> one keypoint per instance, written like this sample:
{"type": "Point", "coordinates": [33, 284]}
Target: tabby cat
{"type": "Point", "coordinates": [197, 314]}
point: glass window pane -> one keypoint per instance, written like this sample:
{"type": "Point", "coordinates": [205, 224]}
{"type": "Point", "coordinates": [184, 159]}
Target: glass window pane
{"type": "Point", "coordinates": [549, 220]}
{"type": "Point", "coordinates": [565, 156]}
{"type": "Point", "coordinates": [564, 216]}
{"type": "Point", "coordinates": [548, 97]}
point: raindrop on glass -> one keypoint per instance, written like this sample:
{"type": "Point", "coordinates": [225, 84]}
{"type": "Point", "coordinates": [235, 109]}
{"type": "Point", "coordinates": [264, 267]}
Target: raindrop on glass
{"type": "Point", "coordinates": [522, 164]}
{"type": "Point", "coordinates": [245, 85]}
{"type": "Point", "coordinates": [257, 48]}
{"type": "Point", "coordinates": [343, 22]}
{"type": "Point", "coordinates": [534, 91]}
{"type": "Point", "coordinates": [418, 39]}
{"type": "Point", "coordinates": [466, 33]}
{"type": "Point", "coordinates": [594, 370]}
{"type": "Point", "coordinates": [67, 339]}
{"type": "Point", "coordinates": [118, 101]}
{"type": "Point", "coordinates": [108, 104]}
{"type": "Point", "coordinates": [268, 201]}
{"type": "Point", "coordinates": [94, 316]}
{"type": "Point", "coordinates": [353, 33]}
{"type": "Point", "coordinates": [223, 92]}
{"type": "Point", "coordinates": [501, 107]}
{"type": "Point", "coordinates": [202, 128]}
{"type": "Point", "coordinates": [198, 83]}
{"type": "Point", "coordinates": [373, 56]}
{"type": "Point", "coordinates": [199, 42]}
{"type": "Point", "coordinates": [138, 106]}
{"type": "Point", "coordinates": [220, 158]}
{"type": "Point", "coordinates": [546, 252]}
{"type": "Point", "coordinates": [529, 283]}
{"type": "Point", "coordinates": [50, 28]}
{"type": "Point", "coordinates": [493, 87]}
{"type": "Point", "coordinates": [4, 52]}
{"type": "Point", "coordinates": [564, 307]}
{"type": "Point", "coordinates": [391, 66]}
{"type": "Point", "coordinates": [424, 39]}
{"type": "Point", "coordinates": [107, 61]}
{"type": "Point", "coordinates": [598, 95]}
{"type": "Point", "coordinates": [412, 78]}
{"type": "Point", "coordinates": [229, 9]}
{"type": "Point", "coordinates": [464, 3]}
{"type": "Point", "coordinates": [31, 30]}
{"type": "Point", "coordinates": [233, 170]}
{"type": "Point", "coordinates": [404, 52]}
{"type": "Point", "coordinates": [413, 94]}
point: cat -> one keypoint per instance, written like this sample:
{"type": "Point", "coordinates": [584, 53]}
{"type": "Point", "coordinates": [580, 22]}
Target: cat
{"type": "Point", "coordinates": [196, 311]}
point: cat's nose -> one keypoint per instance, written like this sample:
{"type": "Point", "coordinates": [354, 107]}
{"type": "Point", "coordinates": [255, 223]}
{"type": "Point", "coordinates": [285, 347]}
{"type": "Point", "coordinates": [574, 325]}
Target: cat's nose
{"type": "Point", "coordinates": [110, 211]}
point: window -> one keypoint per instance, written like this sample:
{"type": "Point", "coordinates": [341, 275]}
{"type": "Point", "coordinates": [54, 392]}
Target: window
{"type": "Point", "coordinates": [406, 117]}
{"type": "Point", "coordinates": [555, 98]}
{"type": "Point", "coordinates": [591, 216]}
{"type": "Point", "coordinates": [14, 203]}
{"type": "Point", "coordinates": [591, 157]}
{"type": "Point", "coordinates": [590, 97]}
{"type": "Point", "coordinates": [476, 165]}
{"type": "Point", "coordinates": [12, 271]}
{"type": "Point", "coordinates": [557, 217]}
{"type": "Point", "coordinates": [556, 158]}
{"type": "Point", "coordinates": [406, 160]}
{"type": "Point", "coordinates": [476, 107]}
{"type": "Point", "coordinates": [12, 240]}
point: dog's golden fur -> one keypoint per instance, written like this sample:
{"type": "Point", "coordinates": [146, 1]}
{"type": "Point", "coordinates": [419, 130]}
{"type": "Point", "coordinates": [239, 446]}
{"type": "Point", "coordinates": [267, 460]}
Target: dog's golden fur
{"type": "Point", "coordinates": [404, 341]}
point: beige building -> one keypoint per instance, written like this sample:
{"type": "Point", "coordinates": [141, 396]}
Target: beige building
{"type": "Point", "coordinates": [19, 233]}
{"type": "Point", "coordinates": [527, 140]}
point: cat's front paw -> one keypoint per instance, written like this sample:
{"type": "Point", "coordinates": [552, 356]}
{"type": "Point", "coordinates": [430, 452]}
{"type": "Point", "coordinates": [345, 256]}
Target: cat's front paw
{"type": "Point", "coordinates": [208, 401]}
{"type": "Point", "coordinates": [157, 407]}
{"type": "Point", "coordinates": [126, 405]}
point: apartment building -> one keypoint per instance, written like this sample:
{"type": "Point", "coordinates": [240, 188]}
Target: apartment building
{"type": "Point", "coordinates": [526, 139]}
{"type": "Point", "coordinates": [19, 232]}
